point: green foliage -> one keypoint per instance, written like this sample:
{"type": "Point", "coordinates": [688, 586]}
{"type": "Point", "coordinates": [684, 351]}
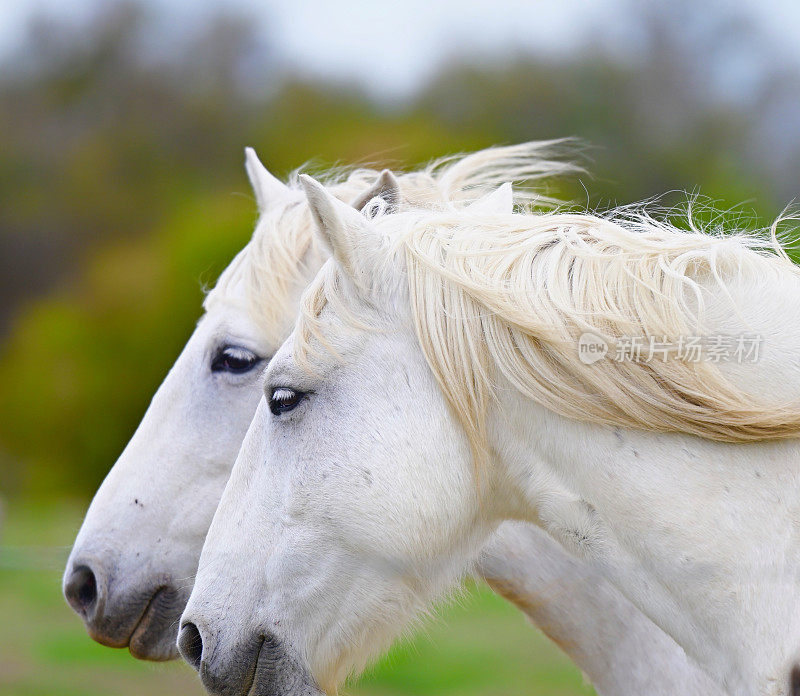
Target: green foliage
{"type": "Point", "coordinates": [79, 369]}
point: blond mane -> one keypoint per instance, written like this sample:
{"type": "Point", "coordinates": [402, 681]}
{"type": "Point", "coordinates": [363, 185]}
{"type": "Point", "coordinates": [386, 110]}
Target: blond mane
{"type": "Point", "coordinates": [511, 295]}
{"type": "Point", "coordinates": [268, 275]}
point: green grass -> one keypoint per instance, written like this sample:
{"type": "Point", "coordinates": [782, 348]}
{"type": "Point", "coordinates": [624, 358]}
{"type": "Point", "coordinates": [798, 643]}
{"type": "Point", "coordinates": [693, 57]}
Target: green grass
{"type": "Point", "coordinates": [478, 644]}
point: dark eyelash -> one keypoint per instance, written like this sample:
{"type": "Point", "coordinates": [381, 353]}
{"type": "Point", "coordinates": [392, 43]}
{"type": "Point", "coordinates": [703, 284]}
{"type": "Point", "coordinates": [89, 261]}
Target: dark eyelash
{"type": "Point", "coordinates": [234, 359]}
{"type": "Point", "coordinates": [285, 399]}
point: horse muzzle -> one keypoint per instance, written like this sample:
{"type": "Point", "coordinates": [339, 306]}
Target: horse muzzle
{"type": "Point", "coordinates": [141, 616]}
{"type": "Point", "coordinates": [260, 665]}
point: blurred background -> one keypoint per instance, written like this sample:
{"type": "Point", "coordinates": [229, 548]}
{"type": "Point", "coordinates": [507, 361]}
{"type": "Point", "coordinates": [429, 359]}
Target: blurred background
{"type": "Point", "coordinates": [122, 195]}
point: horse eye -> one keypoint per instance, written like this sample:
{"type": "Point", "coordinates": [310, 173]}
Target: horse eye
{"type": "Point", "coordinates": [284, 399]}
{"type": "Point", "coordinates": [234, 359]}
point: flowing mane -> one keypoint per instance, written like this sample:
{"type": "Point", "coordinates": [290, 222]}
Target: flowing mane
{"type": "Point", "coordinates": [512, 295]}
{"type": "Point", "coordinates": [269, 273]}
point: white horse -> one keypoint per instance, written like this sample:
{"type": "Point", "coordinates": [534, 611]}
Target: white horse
{"type": "Point", "coordinates": [132, 564]}
{"type": "Point", "coordinates": [434, 387]}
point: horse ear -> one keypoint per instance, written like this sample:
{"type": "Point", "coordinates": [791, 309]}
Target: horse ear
{"type": "Point", "coordinates": [267, 188]}
{"type": "Point", "coordinates": [501, 200]}
{"type": "Point", "coordinates": [385, 187]}
{"type": "Point", "coordinates": [344, 231]}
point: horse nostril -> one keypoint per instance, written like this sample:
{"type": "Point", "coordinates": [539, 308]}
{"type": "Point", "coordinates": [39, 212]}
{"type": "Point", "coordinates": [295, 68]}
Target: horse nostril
{"type": "Point", "coordinates": [81, 590]}
{"type": "Point", "coordinates": [190, 643]}
{"type": "Point", "coordinates": [795, 681]}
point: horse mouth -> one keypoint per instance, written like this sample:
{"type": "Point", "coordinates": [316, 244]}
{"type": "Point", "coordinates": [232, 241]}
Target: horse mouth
{"type": "Point", "coordinates": [276, 670]}
{"type": "Point", "coordinates": [155, 633]}
{"type": "Point", "coordinates": [247, 691]}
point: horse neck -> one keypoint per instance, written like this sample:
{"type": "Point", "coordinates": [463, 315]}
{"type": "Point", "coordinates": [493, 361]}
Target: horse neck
{"type": "Point", "coordinates": [619, 649]}
{"type": "Point", "coordinates": [673, 521]}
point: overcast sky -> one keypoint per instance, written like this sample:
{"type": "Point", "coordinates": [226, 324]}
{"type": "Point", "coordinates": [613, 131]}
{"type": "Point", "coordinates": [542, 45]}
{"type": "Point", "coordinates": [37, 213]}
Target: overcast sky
{"type": "Point", "coordinates": [391, 46]}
